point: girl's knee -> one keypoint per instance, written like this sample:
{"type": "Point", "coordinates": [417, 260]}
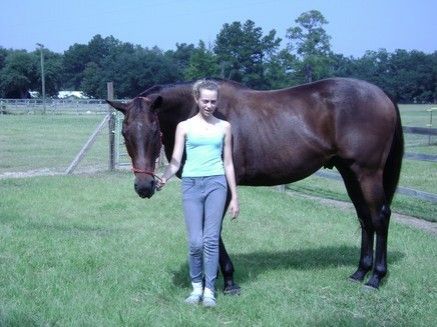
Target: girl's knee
{"type": "Point", "coordinates": [196, 248]}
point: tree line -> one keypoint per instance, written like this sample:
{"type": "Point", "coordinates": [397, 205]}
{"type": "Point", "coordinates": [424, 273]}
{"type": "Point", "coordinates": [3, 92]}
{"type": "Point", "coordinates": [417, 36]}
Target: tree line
{"type": "Point", "coordinates": [241, 52]}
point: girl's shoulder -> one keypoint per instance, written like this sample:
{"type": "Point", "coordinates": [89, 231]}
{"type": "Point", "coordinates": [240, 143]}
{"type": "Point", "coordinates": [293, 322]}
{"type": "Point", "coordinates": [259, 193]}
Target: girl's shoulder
{"type": "Point", "coordinates": [183, 126]}
{"type": "Point", "coordinates": [187, 124]}
{"type": "Point", "coordinates": [224, 124]}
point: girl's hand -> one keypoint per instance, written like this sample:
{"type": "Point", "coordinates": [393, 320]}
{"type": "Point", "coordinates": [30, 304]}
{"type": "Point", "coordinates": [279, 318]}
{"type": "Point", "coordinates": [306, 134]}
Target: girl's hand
{"type": "Point", "coordinates": [160, 183]}
{"type": "Point", "coordinates": [234, 208]}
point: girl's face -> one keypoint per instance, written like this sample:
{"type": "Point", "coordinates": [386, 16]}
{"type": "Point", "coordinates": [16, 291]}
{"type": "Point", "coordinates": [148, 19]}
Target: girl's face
{"type": "Point", "coordinates": [207, 102]}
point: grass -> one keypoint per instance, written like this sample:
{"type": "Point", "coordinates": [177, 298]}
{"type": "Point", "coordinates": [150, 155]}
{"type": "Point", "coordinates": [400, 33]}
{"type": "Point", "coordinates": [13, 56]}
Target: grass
{"type": "Point", "coordinates": [416, 114]}
{"type": "Point", "coordinates": [86, 251]}
{"type": "Point", "coordinates": [29, 142]}
{"type": "Point", "coordinates": [414, 174]}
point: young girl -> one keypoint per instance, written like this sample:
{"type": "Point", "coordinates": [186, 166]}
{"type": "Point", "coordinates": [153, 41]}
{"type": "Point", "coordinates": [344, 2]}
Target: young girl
{"type": "Point", "coordinates": [205, 180]}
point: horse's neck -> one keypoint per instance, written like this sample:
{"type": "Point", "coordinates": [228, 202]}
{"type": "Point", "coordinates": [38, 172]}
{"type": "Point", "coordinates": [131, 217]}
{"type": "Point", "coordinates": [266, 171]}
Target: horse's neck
{"type": "Point", "coordinates": [176, 108]}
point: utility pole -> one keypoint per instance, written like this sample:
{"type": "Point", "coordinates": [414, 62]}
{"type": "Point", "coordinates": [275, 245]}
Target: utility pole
{"type": "Point", "coordinates": [43, 81]}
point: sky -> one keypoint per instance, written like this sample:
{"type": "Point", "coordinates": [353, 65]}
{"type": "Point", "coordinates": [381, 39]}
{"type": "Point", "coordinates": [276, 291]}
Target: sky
{"type": "Point", "coordinates": [354, 25]}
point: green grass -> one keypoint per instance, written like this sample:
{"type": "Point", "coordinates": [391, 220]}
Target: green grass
{"type": "Point", "coordinates": [86, 251]}
{"type": "Point", "coordinates": [414, 174]}
{"type": "Point", "coordinates": [335, 190]}
{"type": "Point", "coordinates": [417, 114]}
{"type": "Point", "coordinates": [29, 142]}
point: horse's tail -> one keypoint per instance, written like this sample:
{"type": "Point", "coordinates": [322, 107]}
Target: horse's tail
{"type": "Point", "coordinates": [393, 164]}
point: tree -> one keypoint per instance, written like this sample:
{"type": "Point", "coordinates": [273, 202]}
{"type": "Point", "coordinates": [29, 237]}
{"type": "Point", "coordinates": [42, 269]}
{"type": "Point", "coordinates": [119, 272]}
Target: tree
{"type": "Point", "coordinates": [242, 51]}
{"type": "Point", "coordinates": [413, 76]}
{"type": "Point", "coordinates": [52, 72]}
{"type": "Point", "coordinates": [280, 70]}
{"type": "Point", "coordinates": [311, 44]}
{"type": "Point", "coordinates": [3, 55]}
{"type": "Point", "coordinates": [202, 63]}
{"type": "Point", "coordinates": [74, 63]}
{"type": "Point", "coordinates": [18, 74]}
{"type": "Point", "coordinates": [182, 55]}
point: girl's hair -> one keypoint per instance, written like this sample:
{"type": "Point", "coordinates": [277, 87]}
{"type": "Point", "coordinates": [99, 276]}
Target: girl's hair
{"type": "Point", "coordinates": [205, 85]}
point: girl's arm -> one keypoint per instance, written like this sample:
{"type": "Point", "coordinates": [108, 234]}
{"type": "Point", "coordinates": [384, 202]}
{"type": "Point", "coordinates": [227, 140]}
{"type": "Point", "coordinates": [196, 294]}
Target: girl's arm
{"type": "Point", "coordinates": [234, 206]}
{"type": "Point", "coordinates": [175, 162]}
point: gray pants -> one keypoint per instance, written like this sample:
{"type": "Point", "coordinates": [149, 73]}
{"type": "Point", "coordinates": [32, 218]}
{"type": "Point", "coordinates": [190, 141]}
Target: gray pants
{"type": "Point", "coordinates": [204, 201]}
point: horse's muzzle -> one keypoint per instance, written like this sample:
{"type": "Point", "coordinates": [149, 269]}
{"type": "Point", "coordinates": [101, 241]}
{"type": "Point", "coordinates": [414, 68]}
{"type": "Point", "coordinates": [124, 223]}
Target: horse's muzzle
{"type": "Point", "coordinates": [145, 188]}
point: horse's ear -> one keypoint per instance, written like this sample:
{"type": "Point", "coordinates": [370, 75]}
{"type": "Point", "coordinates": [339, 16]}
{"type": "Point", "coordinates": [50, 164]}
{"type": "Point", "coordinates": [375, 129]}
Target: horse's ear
{"type": "Point", "coordinates": [120, 106]}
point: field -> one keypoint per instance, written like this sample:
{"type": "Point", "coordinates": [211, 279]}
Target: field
{"type": "Point", "coordinates": [86, 251]}
{"type": "Point", "coordinates": [35, 142]}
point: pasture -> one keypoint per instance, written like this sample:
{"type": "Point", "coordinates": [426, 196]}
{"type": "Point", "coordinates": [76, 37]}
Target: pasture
{"type": "Point", "coordinates": [84, 250]}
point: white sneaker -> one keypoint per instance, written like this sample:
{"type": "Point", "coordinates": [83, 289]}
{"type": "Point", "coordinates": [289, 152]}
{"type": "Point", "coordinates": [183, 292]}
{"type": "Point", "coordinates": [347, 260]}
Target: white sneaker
{"type": "Point", "coordinates": [194, 298]}
{"type": "Point", "coordinates": [209, 300]}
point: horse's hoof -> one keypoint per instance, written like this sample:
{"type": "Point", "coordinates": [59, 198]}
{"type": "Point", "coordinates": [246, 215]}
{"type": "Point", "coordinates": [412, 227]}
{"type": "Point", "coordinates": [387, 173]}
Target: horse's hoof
{"type": "Point", "coordinates": [369, 288]}
{"type": "Point", "coordinates": [358, 276]}
{"type": "Point", "coordinates": [233, 289]}
{"type": "Point", "coordinates": [354, 280]}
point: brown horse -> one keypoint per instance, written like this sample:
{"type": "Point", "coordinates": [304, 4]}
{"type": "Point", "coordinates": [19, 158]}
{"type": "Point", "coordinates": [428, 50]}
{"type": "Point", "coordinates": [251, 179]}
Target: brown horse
{"type": "Point", "coordinates": [283, 136]}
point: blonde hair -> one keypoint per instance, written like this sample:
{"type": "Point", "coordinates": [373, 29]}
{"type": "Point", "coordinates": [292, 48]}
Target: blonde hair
{"type": "Point", "coordinates": [205, 85]}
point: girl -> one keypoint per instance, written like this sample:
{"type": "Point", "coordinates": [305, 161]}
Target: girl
{"type": "Point", "coordinates": [205, 180]}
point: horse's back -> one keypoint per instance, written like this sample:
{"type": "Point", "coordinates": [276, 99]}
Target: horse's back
{"type": "Point", "coordinates": [288, 134]}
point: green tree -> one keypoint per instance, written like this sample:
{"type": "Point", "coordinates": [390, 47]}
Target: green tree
{"type": "Point", "coordinates": [18, 74]}
{"type": "Point", "coordinates": [3, 55]}
{"type": "Point", "coordinates": [52, 72]}
{"type": "Point", "coordinates": [202, 63]}
{"type": "Point", "coordinates": [280, 70]}
{"type": "Point", "coordinates": [242, 51]}
{"type": "Point", "coordinates": [311, 44]}
{"type": "Point", "coordinates": [135, 70]}
{"type": "Point", "coordinates": [413, 76]}
{"type": "Point", "coordinates": [74, 63]}
{"type": "Point", "coordinates": [340, 66]}
{"type": "Point", "coordinates": [182, 55]}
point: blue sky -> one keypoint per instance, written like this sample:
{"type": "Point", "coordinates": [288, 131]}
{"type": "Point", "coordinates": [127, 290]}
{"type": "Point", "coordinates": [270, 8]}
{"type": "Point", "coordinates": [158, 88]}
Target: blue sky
{"type": "Point", "coordinates": [354, 25]}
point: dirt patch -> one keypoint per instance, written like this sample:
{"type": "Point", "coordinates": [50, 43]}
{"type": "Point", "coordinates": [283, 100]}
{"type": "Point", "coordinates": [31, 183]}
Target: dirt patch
{"type": "Point", "coordinates": [49, 172]}
{"type": "Point", "coordinates": [30, 173]}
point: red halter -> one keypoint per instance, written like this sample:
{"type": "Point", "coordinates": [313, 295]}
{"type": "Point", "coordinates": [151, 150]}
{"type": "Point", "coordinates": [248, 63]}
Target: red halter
{"type": "Point", "coordinates": [147, 172]}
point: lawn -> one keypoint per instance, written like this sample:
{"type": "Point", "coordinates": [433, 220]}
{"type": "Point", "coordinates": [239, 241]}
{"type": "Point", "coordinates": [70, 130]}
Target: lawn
{"type": "Point", "coordinates": [86, 251]}
{"type": "Point", "coordinates": [31, 142]}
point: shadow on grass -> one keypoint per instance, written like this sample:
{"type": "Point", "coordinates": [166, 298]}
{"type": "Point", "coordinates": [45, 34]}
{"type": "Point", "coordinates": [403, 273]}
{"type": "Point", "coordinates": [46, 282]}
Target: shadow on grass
{"type": "Point", "coordinates": [249, 265]}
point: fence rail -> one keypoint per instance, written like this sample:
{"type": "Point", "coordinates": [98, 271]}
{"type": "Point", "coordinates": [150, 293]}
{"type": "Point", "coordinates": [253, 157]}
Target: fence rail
{"type": "Point", "coordinates": [426, 196]}
{"type": "Point", "coordinates": [53, 106]}
{"type": "Point", "coordinates": [420, 130]}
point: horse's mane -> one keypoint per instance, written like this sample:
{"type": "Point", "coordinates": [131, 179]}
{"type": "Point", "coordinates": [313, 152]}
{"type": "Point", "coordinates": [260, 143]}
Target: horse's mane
{"type": "Point", "coordinates": [161, 87]}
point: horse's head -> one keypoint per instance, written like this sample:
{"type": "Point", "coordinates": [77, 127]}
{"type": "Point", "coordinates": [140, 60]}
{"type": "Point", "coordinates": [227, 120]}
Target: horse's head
{"type": "Point", "coordinates": [142, 137]}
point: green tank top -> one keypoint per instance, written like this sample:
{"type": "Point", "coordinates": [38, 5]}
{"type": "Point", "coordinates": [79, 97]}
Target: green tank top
{"type": "Point", "coordinates": [204, 154]}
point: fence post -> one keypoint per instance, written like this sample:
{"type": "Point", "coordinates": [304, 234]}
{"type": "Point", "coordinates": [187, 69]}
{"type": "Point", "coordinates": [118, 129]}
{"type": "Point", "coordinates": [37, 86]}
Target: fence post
{"type": "Point", "coordinates": [111, 125]}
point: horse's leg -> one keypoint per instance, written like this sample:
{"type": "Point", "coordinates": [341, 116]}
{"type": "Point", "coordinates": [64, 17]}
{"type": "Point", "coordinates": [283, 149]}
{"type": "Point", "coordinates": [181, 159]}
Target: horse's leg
{"type": "Point", "coordinates": [367, 232]}
{"type": "Point", "coordinates": [374, 195]}
{"type": "Point", "coordinates": [226, 266]}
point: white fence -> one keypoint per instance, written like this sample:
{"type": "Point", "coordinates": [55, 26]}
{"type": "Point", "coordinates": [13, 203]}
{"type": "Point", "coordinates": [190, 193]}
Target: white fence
{"type": "Point", "coordinates": [53, 106]}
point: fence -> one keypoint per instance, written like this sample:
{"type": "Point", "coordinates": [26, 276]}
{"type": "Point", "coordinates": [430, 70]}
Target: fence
{"type": "Point", "coordinates": [53, 106]}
